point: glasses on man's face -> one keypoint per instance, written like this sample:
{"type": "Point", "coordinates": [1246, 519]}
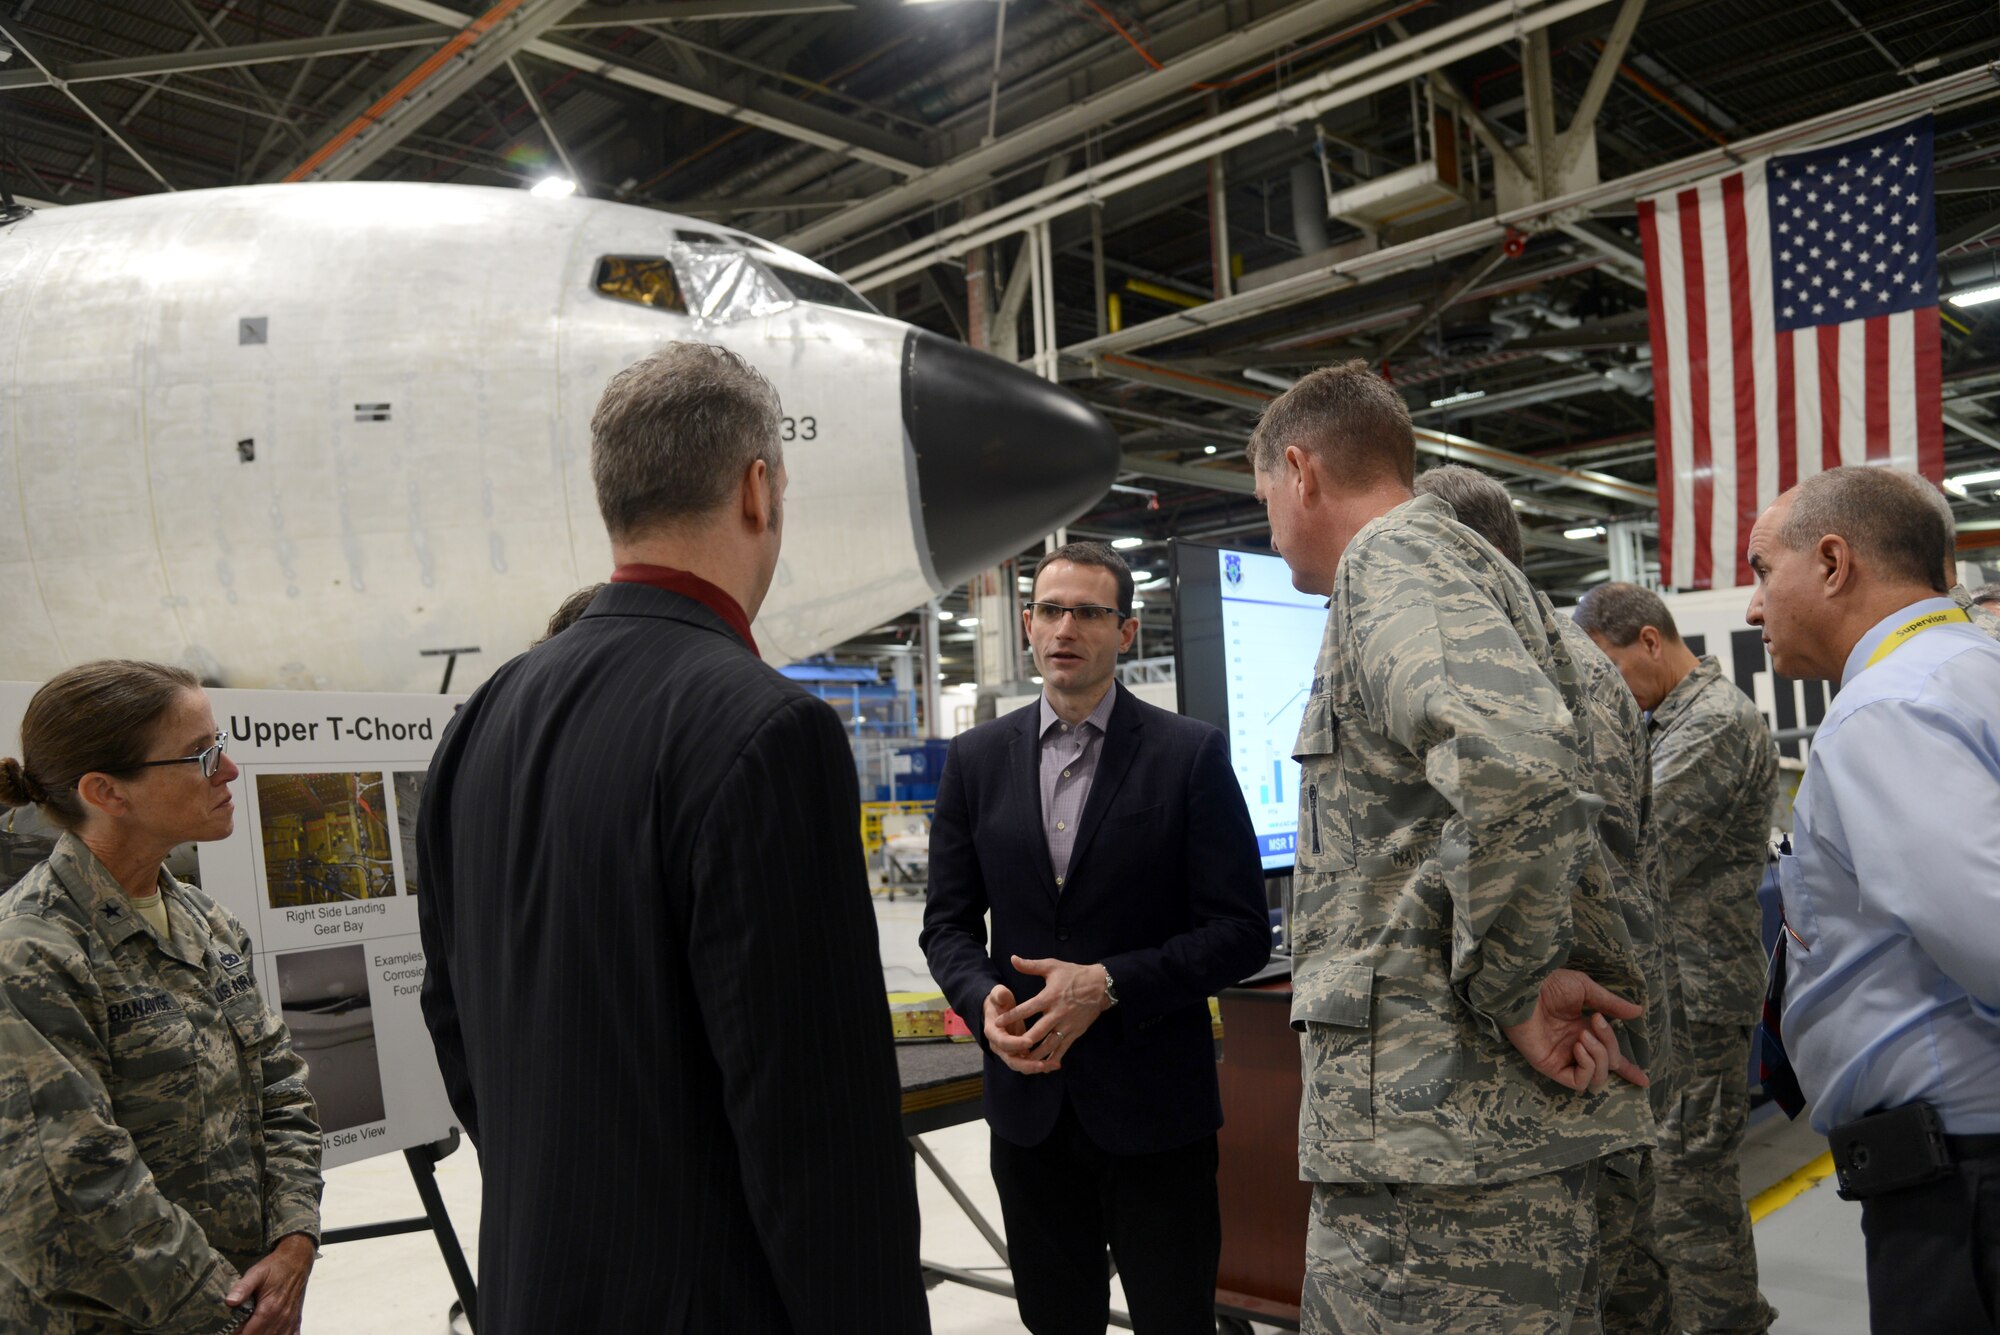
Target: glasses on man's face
{"type": "Point", "coordinates": [209, 758]}
{"type": "Point", "coordinates": [1086, 614]}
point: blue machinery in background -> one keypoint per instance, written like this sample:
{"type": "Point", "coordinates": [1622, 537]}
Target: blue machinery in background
{"type": "Point", "coordinates": [895, 765]}
{"type": "Point", "coordinates": [867, 705]}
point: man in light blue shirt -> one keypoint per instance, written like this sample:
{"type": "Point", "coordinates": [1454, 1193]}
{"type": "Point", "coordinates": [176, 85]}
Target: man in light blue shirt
{"type": "Point", "coordinates": [1891, 966]}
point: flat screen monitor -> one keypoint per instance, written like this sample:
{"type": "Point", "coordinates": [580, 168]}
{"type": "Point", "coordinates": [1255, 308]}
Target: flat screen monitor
{"type": "Point", "coordinates": [1245, 645]}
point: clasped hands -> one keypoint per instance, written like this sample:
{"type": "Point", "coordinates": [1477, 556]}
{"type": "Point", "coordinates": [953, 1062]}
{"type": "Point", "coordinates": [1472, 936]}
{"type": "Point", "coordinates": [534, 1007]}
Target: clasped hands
{"type": "Point", "coordinates": [1570, 1040]}
{"type": "Point", "coordinates": [1071, 999]}
{"type": "Point", "coordinates": [278, 1283]}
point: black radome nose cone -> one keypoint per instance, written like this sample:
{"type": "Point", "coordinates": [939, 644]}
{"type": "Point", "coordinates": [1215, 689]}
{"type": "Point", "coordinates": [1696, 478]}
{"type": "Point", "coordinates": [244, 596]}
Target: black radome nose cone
{"type": "Point", "coordinates": [1003, 456]}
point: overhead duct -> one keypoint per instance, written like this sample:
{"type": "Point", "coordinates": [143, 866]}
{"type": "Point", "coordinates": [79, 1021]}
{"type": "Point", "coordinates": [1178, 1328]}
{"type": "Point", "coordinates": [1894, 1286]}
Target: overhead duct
{"type": "Point", "coordinates": [1636, 379]}
{"type": "Point", "coordinates": [1427, 187]}
{"type": "Point", "coordinates": [1309, 207]}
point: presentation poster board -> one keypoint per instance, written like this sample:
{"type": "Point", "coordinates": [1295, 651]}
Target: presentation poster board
{"type": "Point", "coordinates": [321, 870]}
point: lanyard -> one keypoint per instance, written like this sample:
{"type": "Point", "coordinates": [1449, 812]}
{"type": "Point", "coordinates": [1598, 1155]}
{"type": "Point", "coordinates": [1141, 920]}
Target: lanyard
{"type": "Point", "coordinates": [1911, 629]}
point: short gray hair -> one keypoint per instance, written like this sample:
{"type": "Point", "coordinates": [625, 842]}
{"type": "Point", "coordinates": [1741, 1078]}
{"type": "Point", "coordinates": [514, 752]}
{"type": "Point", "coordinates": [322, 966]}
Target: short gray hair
{"type": "Point", "coordinates": [1942, 504]}
{"type": "Point", "coordinates": [1347, 415]}
{"type": "Point", "coordinates": [1480, 502]}
{"type": "Point", "coordinates": [675, 431]}
{"type": "Point", "coordinates": [1618, 612]}
{"type": "Point", "coordinates": [1887, 516]}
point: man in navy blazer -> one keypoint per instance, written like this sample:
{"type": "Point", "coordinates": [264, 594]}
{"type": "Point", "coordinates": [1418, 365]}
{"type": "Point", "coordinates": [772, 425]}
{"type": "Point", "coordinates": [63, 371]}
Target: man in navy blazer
{"type": "Point", "coordinates": [1110, 842]}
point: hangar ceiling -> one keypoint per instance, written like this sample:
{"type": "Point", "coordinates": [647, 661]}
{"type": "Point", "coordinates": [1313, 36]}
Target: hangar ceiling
{"type": "Point", "coordinates": [1232, 191]}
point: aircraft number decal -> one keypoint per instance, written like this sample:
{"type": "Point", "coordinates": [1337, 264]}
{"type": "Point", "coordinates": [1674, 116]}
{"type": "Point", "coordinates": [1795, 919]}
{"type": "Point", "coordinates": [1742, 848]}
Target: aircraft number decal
{"type": "Point", "coordinates": [798, 428]}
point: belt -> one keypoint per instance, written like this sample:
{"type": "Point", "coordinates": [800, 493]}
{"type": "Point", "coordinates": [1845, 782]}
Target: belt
{"type": "Point", "coordinates": [1972, 1147]}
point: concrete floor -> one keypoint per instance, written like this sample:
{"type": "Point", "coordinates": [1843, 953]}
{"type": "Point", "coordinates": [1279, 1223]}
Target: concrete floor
{"type": "Point", "coordinates": [1809, 1251]}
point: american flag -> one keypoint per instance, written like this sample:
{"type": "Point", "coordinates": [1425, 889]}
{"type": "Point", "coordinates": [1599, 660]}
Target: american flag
{"type": "Point", "coordinates": [1794, 312]}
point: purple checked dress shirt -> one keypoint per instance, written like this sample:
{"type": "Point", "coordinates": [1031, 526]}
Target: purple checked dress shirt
{"type": "Point", "coordinates": [1069, 762]}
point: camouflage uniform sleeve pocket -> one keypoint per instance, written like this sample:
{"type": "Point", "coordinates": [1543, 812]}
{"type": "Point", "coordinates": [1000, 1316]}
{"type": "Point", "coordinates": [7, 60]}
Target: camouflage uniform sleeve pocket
{"type": "Point", "coordinates": [1331, 1007]}
{"type": "Point", "coordinates": [1325, 842]}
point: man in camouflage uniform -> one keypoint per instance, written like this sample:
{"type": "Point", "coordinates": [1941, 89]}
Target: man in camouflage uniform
{"type": "Point", "coordinates": [1715, 778]}
{"type": "Point", "coordinates": [1982, 605]}
{"type": "Point", "coordinates": [1447, 929]}
{"type": "Point", "coordinates": [1634, 1277]}
{"type": "Point", "coordinates": [137, 1176]}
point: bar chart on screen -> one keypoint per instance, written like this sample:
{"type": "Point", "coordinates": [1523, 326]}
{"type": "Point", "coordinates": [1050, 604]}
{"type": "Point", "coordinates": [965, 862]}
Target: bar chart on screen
{"type": "Point", "coordinates": [1271, 639]}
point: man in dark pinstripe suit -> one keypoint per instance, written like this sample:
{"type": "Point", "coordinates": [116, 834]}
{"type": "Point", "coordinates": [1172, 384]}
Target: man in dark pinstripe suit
{"type": "Point", "coordinates": [653, 983]}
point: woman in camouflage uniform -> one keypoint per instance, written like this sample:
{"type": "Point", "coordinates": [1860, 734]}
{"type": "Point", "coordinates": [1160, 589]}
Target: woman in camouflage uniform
{"type": "Point", "coordinates": [159, 1153]}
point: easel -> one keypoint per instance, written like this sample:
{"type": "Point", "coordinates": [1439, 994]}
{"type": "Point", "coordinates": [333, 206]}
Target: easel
{"type": "Point", "coordinates": [423, 1160]}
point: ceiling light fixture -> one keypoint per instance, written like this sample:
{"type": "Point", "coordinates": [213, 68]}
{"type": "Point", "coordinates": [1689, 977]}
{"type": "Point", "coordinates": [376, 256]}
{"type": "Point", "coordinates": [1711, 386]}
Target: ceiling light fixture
{"type": "Point", "coordinates": [1975, 296]}
{"type": "Point", "coordinates": [1579, 534]}
{"type": "Point", "coordinates": [1127, 544]}
{"type": "Point", "coordinates": [1465, 396]}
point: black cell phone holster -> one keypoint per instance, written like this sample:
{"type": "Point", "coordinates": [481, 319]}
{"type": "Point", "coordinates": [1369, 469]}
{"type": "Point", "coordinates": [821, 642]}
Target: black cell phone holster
{"type": "Point", "coordinates": [1889, 1151]}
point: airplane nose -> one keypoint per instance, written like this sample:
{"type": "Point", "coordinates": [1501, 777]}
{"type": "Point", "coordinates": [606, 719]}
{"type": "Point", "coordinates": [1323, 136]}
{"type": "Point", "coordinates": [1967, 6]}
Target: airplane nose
{"type": "Point", "coordinates": [1002, 456]}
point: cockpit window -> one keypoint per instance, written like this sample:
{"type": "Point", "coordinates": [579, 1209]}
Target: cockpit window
{"type": "Point", "coordinates": [822, 291]}
{"type": "Point", "coordinates": [701, 238]}
{"type": "Point", "coordinates": [647, 280]}
{"type": "Point", "coordinates": [713, 280]}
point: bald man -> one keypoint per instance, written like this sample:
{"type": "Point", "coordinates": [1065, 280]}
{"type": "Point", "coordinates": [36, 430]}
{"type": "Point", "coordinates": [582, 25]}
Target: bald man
{"type": "Point", "coordinates": [1888, 975]}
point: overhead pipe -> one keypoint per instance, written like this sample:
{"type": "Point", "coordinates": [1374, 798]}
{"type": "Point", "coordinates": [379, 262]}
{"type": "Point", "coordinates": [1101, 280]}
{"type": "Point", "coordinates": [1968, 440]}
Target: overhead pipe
{"type": "Point", "coordinates": [1289, 106]}
{"type": "Point", "coordinates": [1308, 207]}
{"type": "Point", "coordinates": [1159, 293]}
{"type": "Point", "coordinates": [1567, 387]}
{"type": "Point", "coordinates": [1041, 39]}
{"type": "Point", "coordinates": [1139, 96]}
{"type": "Point", "coordinates": [1441, 444]}
{"type": "Point", "coordinates": [1973, 84]}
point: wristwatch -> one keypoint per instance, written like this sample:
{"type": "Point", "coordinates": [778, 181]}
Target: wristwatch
{"type": "Point", "coordinates": [1110, 989]}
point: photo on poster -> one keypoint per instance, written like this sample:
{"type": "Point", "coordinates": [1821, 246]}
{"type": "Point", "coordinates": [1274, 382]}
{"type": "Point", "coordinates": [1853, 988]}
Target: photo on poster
{"type": "Point", "coordinates": [409, 797]}
{"type": "Point", "coordinates": [326, 838]}
{"type": "Point", "coordinates": [323, 996]}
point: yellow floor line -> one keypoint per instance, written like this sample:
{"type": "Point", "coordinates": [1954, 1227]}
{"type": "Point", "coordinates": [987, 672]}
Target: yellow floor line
{"type": "Point", "coordinates": [1771, 1199]}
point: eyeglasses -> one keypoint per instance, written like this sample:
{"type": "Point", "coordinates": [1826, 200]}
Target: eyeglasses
{"type": "Point", "coordinates": [209, 758]}
{"type": "Point", "coordinates": [1088, 614]}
